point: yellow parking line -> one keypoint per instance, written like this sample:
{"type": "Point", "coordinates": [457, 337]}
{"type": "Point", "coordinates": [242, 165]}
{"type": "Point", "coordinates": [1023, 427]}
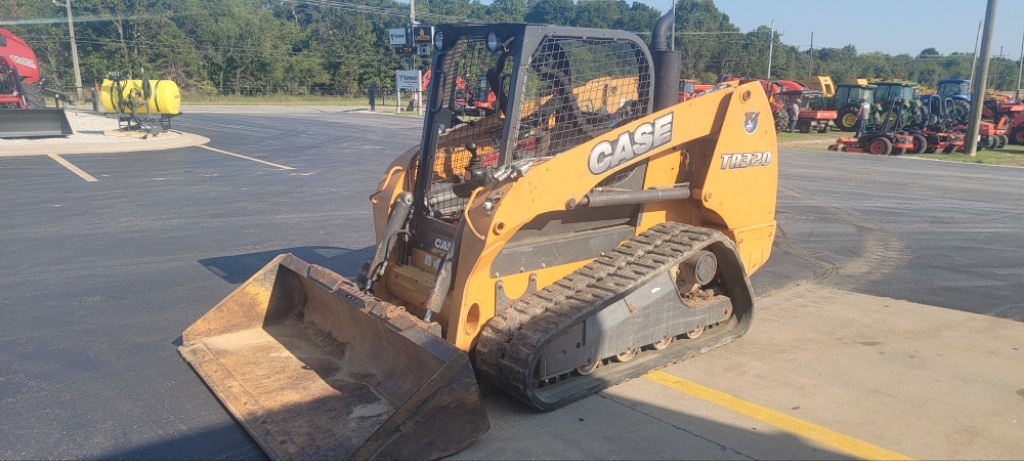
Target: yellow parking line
{"type": "Point", "coordinates": [853, 446]}
{"type": "Point", "coordinates": [74, 169]}
{"type": "Point", "coordinates": [248, 158]}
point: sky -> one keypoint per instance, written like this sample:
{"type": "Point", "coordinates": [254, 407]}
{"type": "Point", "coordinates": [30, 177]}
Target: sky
{"type": "Point", "coordinates": [890, 26]}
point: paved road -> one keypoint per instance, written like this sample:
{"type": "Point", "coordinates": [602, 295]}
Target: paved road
{"type": "Point", "coordinates": [98, 279]}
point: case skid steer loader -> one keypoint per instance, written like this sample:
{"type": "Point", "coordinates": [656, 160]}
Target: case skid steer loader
{"type": "Point", "coordinates": [584, 231]}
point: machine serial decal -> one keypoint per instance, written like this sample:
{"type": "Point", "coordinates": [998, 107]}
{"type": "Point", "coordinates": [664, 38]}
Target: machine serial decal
{"type": "Point", "coordinates": [750, 121]}
{"type": "Point", "coordinates": [610, 154]}
{"type": "Point", "coordinates": [734, 161]}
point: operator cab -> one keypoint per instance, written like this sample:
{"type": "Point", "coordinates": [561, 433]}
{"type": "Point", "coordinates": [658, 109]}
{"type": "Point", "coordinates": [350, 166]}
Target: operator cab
{"type": "Point", "coordinates": [952, 88]}
{"type": "Point", "coordinates": [578, 84]}
{"type": "Point", "coordinates": [852, 94]}
{"type": "Point", "coordinates": [554, 89]}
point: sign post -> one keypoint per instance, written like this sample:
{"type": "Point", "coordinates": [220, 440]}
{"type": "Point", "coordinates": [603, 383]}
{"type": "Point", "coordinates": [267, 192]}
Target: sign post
{"type": "Point", "coordinates": [409, 80]}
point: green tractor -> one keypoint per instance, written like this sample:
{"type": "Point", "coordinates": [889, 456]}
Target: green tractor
{"type": "Point", "coordinates": [908, 92]}
{"type": "Point", "coordinates": [846, 103]}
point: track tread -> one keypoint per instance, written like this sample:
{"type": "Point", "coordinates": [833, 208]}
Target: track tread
{"type": "Point", "coordinates": [507, 343]}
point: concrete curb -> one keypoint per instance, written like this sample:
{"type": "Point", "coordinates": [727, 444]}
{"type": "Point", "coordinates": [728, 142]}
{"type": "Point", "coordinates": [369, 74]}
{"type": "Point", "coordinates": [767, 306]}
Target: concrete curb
{"type": "Point", "coordinates": [185, 140]}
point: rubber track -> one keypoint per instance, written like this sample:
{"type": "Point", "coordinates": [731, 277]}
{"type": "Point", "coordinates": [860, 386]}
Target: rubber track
{"type": "Point", "coordinates": [508, 344]}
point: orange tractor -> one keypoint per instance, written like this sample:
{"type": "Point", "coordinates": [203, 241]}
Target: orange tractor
{"type": "Point", "coordinates": [883, 139]}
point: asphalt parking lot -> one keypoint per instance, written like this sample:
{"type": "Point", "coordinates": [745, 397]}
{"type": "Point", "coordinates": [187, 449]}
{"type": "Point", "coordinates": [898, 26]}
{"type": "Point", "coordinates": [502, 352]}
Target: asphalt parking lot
{"type": "Point", "coordinates": [100, 277]}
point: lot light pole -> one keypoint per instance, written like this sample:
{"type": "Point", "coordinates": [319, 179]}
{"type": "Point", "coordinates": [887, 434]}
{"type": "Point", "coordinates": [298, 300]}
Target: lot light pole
{"type": "Point", "coordinates": [999, 69]}
{"type": "Point", "coordinates": [974, 62]}
{"type": "Point", "coordinates": [771, 43]}
{"type": "Point", "coordinates": [810, 56]}
{"type": "Point", "coordinates": [1020, 70]}
{"type": "Point", "coordinates": [412, 25]}
{"type": "Point", "coordinates": [74, 47]}
{"type": "Point", "coordinates": [978, 94]}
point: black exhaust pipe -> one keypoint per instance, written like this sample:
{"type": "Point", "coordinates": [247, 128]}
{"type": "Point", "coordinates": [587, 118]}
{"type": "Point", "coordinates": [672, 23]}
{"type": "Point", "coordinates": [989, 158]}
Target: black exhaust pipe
{"type": "Point", "coordinates": [666, 64]}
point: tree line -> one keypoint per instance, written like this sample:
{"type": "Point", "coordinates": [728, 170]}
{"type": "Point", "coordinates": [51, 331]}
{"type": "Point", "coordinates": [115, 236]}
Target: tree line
{"type": "Point", "coordinates": [341, 46]}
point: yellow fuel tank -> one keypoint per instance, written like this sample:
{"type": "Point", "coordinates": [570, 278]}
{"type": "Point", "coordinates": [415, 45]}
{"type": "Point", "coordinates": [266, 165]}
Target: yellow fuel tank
{"type": "Point", "coordinates": [165, 97]}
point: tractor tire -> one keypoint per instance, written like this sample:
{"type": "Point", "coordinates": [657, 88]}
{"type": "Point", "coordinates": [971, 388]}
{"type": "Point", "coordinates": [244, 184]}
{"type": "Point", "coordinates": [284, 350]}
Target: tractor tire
{"type": "Point", "coordinates": [1003, 141]}
{"type": "Point", "coordinates": [781, 120]}
{"type": "Point", "coordinates": [961, 109]}
{"type": "Point", "coordinates": [880, 146]}
{"type": "Point", "coordinates": [1017, 136]}
{"type": "Point", "coordinates": [804, 126]}
{"type": "Point", "coordinates": [33, 95]}
{"type": "Point", "coordinates": [847, 119]}
{"type": "Point", "coordinates": [887, 115]}
{"type": "Point", "coordinates": [948, 149]}
{"type": "Point", "coordinates": [920, 116]}
{"type": "Point", "coordinates": [825, 127]}
{"type": "Point", "coordinates": [920, 143]}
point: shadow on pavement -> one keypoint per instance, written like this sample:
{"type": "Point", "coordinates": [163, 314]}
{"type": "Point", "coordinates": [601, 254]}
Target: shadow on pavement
{"type": "Point", "coordinates": [602, 426]}
{"type": "Point", "coordinates": [238, 268]}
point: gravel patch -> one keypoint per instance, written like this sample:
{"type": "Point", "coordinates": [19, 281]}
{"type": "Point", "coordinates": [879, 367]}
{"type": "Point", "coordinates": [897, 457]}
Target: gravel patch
{"type": "Point", "coordinates": [88, 129]}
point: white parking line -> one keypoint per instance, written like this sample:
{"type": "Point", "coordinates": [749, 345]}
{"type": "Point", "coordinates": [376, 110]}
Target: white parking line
{"type": "Point", "coordinates": [248, 158]}
{"type": "Point", "coordinates": [74, 169]}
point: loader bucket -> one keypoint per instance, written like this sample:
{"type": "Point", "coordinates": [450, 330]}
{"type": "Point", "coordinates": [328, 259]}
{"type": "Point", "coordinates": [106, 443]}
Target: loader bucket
{"type": "Point", "coordinates": [315, 369]}
{"type": "Point", "coordinates": [33, 123]}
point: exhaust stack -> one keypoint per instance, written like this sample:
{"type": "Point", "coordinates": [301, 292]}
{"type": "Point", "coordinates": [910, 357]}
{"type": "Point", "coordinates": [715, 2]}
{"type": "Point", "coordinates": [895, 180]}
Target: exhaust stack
{"type": "Point", "coordinates": [666, 64]}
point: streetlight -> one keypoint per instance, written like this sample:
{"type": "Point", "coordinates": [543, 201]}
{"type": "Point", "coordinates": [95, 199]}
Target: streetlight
{"type": "Point", "coordinates": [74, 48]}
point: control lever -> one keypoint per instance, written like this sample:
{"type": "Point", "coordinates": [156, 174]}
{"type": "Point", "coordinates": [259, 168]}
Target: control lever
{"type": "Point", "coordinates": [477, 172]}
{"type": "Point", "coordinates": [474, 160]}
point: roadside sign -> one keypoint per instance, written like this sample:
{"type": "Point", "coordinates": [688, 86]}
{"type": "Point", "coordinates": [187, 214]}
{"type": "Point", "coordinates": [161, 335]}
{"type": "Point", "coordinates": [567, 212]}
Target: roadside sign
{"type": "Point", "coordinates": [405, 50]}
{"type": "Point", "coordinates": [423, 50]}
{"type": "Point", "coordinates": [398, 36]}
{"type": "Point", "coordinates": [422, 34]}
{"type": "Point", "coordinates": [407, 79]}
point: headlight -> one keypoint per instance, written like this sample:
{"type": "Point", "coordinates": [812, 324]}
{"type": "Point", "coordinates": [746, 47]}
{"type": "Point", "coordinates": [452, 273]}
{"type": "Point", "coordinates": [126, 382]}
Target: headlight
{"type": "Point", "coordinates": [492, 41]}
{"type": "Point", "coordinates": [438, 40]}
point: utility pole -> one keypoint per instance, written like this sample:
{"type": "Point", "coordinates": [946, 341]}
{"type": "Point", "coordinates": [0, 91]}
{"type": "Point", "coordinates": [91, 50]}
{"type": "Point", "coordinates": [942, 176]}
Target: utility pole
{"type": "Point", "coordinates": [771, 43]}
{"type": "Point", "coordinates": [74, 48]}
{"type": "Point", "coordinates": [1020, 70]}
{"type": "Point", "coordinates": [810, 55]}
{"type": "Point", "coordinates": [978, 94]}
{"type": "Point", "coordinates": [974, 63]}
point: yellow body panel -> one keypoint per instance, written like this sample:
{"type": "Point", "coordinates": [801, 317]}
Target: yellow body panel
{"type": "Point", "coordinates": [822, 83]}
{"type": "Point", "coordinates": [723, 144]}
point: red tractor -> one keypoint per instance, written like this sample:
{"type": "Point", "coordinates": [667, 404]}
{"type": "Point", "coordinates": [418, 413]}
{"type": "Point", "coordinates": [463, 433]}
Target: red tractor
{"type": "Point", "coordinates": [811, 116]}
{"type": "Point", "coordinates": [23, 110]}
{"type": "Point", "coordinates": [1007, 114]}
{"type": "Point", "coordinates": [1016, 128]}
{"type": "Point", "coordinates": [19, 74]}
{"type": "Point", "coordinates": [689, 89]}
{"type": "Point", "coordinates": [782, 93]}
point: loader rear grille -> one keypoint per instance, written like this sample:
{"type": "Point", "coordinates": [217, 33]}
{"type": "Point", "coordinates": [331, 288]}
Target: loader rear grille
{"type": "Point", "coordinates": [577, 89]}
